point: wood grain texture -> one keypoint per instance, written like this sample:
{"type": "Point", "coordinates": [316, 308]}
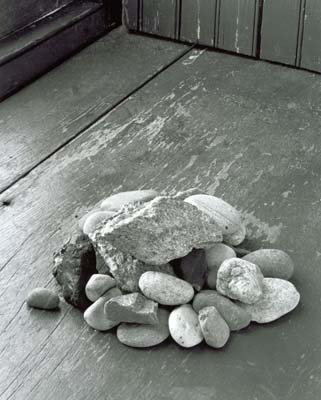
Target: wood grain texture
{"type": "Point", "coordinates": [198, 21]}
{"type": "Point", "coordinates": [15, 15]}
{"type": "Point", "coordinates": [280, 27]}
{"type": "Point", "coordinates": [68, 98]}
{"type": "Point", "coordinates": [159, 17]}
{"type": "Point", "coordinates": [311, 46]}
{"type": "Point", "coordinates": [200, 123]}
{"type": "Point", "coordinates": [236, 26]}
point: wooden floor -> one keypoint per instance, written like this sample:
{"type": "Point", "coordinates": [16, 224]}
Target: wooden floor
{"type": "Point", "coordinates": [134, 112]}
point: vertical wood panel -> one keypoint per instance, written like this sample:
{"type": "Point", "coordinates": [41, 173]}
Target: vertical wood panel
{"type": "Point", "coordinates": [280, 28]}
{"type": "Point", "coordinates": [311, 43]}
{"type": "Point", "coordinates": [236, 22]}
{"type": "Point", "coordinates": [159, 17]}
{"type": "Point", "coordinates": [198, 21]}
{"type": "Point", "coordinates": [130, 14]}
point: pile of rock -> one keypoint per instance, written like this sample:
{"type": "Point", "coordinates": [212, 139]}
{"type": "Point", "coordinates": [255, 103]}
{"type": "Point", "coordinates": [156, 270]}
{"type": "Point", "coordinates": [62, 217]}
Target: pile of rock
{"type": "Point", "coordinates": [158, 266]}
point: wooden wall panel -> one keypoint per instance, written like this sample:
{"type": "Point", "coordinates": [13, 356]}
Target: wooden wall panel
{"type": "Point", "coordinates": [311, 43]}
{"type": "Point", "coordinates": [159, 17]}
{"type": "Point", "coordinates": [280, 29]}
{"type": "Point", "coordinates": [198, 21]}
{"type": "Point", "coordinates": [16, 14]}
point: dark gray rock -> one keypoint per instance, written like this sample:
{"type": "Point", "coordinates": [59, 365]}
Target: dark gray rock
{"type": "Point", "coordinates": [192, 268]}
{"type": "Point", "coordinates": [215, 330]}
{"type": "Point", "coordinates": [133, 308]}
{"type": "Point", "coordinates": [74, 264]}
{"type": "Point", "coordinates": [42, 298]}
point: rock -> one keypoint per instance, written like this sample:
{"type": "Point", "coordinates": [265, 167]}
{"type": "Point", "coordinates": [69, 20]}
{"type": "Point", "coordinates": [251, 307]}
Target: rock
{"type": "Point", "coordinates": [192, 268]}
{"type": "Point", "coordinates": [215, 255]}
{"type": "Point", "coordinates": [82, 220]}
{"type": "Point", "coordinates": [74, 264]}
{"type": "Point", "coordinates": [95, 220]}
{"type": "Point", "coordinates": [97, 285]}
{"type": "Point", "coordinates": [43, 298]}
{"type": "Point", "coordinates": [235, 238]}
{"type": "Point", "coordinates": [240, 280]}
{"type": "Point", "coordinates": [118, 200]}
{"type": "Point", "coordinates": [101, 264]}
{"type": "Point", "coordinates": [95, 315]}
{"type": "Point", "coordinates": [273, 263]}
{"type": "Point", "coordinates": [184, 326]}
{"type": "Point", "coordinates": [133, 307]}
{"type": "Point", "coordinates": [138, 335]}
{"type": "Point", "coordinates": [165, 289]}
{"type": "Point", "coordinates": [126, 269]}
{"type": "Point", "coordinates": [157, 232]}
{"type": "Point", "coordinates": [279, 298]}
{"type": "Point", "coordinates": [186, 193]}
{"type": "Point", "coordinates": [215, 330]}
{"type": "Point", "coordinates": [236, 317]}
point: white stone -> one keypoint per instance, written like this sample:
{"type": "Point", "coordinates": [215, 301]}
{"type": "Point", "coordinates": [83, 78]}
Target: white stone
{"type": "Point", "coordinates": [96, 219]}
{"type": "Point", "coordinates": [97, 285]}
{"type": "Point", "coordinates": [279, 298]}
{"type": "Point", "coordinates": [184, 326]}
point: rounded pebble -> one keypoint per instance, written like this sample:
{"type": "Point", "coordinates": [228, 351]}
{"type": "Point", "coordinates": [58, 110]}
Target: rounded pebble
{"type": "Point", "coordinates": [235, 238]}
{"type": "Point", "coordinates": [118, 200]}
{"type": "Point", "coordinates": [143, 335]}
{"type": "Point", "coordinates": [273, 263]}
{"type": "Point", "coordinates": [240, 280]}
{"type": "Point", "coordinates": [165, 289]}
{"type": "Point", "coordinates": [279, 298]}
{"type": "Point", "coordinates": [42, 298]}
{"type": "Point", "coordinates": [95, 315]}
{"type": "Point", "coordinates": [94, 220]}
{"type": "Point", "coordinates": [236, 317]}
{"type": "Point", "coordinates": [82, 220]}
{"type": "Point", "coordinates": [214, 329]}
{"type": "Point", "coordinates": [215, 255]}
{"type": "Point", "coordinates": [97, 285]}
{"type": "Point", "coordinates": [184, 326]}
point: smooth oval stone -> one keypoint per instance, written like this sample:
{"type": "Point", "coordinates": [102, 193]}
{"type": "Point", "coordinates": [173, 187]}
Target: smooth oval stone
{"type": "Point", "coordinates": [240, 280]}
{"type": "Point", "coordinates": [273, 263]}
{"type": "Point", "coordinates": [215, 330]}
{"type": "Point", "coordinates": [95, 315]}
{"type": "Point", "coordinates": [211, 279]}
{"type": "Point", "coordinates": [225, 215]}
{"type": "Point", "coordinates": [94, 220]}
{"type": "Point", "coordinates": [279, 298]}
{"type": "Point", "coordinates": [117, 201]}
{"type": "Point", "coordinates": [184, 326]}
{"type": "Point", "coordinates": [43, 298]}
{"type": "Point", "coordinates": [97, 285]}
{"type": "Point", "coordinates": [235, 238]}
{"type": "Point", "coordinates": [218, 253]}
{"type": "Point", "coordinates": [82, 220]}
{"type": "Point", "coordinates": [236, 317]}
{"type": "Point", "coordinates": [140, 335]}
{"type": "Point", "coordinates": [165, 289]}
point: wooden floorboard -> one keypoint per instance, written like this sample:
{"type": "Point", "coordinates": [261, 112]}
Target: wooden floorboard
{"type": "Point", "coordinates": [244, 130]}
{"type": "Point", "coordinates": [52, 110]}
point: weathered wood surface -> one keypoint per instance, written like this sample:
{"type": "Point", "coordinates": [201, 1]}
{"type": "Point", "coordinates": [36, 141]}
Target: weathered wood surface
{"type": "Point", "coordinates": [311, 44]}
{"type": "Point", "coordinates": [280, 27]}
{"type": "Point", "coordinates": [15, 14]}
{"type": "Point", "coordinates": [200, 123]}
{"type": "Point", "coordinates": [159, 17]}
{"type": "Point", "coordinates": [131, 14]}
{"type": "Point", "coordinates": [51, 111]}
{"type": "Point", "coordinates": [236, 23]}
{"type": "Point", "coordinates": [197, 21]}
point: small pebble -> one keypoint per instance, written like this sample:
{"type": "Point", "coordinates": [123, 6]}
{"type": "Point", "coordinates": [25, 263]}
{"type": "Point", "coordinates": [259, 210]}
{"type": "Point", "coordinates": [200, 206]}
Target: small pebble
{"type": "Point", "coordinates": [139, 335]}
{"type": "Point", "coordinates": [97, 285]}
{"type": "Point", "coordinates": [237, 237]}
{"type": "Point", "coordinates": [279, 298]}
{"type": "Point", "coordinates": [236, 317]}
{"type": "Point", "coordinates": [82, 220]}
{"type": "Point", "coordinates": [117, 201]}
{"type": "Point", "coordinates": [184, 326]}
{"type": "Point", "coordinates": [240, 280]}
{"type": "Point", "coordinates": [214, 329]}
{"type": "Point", "coordinates": [95, 314]}
{"type": "Point", "coordinates": [44, 299]}
{"type": "Point", "coordinates": [273, 263]}
{"type": "Point", "coordinates": [133, 307]}
{"type": "Point", "coordinates": [215, 255]}
{"type": "Point", "coordinates": [95, 220]}
{"type": "Point", "coordinates": [165, 289]}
